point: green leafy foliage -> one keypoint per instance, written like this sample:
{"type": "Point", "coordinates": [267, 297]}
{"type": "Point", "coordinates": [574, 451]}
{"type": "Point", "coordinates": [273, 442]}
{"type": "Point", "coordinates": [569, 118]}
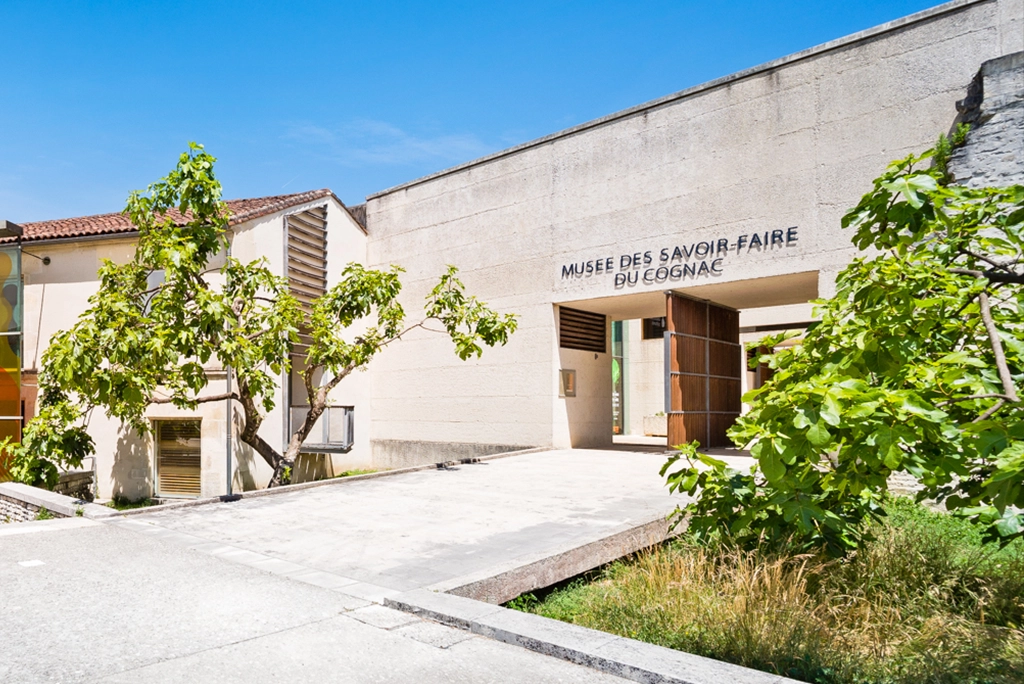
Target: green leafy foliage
{"type": "Point", "coordinates": [181, 306]}
{"type": "Point", "coordinates": [913, 367]}
{"type": "Point", "coordinates": [924, 601]}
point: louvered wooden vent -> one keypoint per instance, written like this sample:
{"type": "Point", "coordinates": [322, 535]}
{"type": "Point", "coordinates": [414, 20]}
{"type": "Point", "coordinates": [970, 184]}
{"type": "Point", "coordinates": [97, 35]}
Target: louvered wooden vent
{"type": "Point", "coordinates": [179, 458]}
{"type": "Point", "coordinates": [307, 256]}
{"type": "Point", "coordinates": [582, 330]}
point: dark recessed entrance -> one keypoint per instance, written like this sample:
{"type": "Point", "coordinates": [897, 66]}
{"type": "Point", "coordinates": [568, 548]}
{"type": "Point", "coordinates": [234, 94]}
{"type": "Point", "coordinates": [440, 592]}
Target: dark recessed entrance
{"type": "Point", "coordinates": [703, 368]}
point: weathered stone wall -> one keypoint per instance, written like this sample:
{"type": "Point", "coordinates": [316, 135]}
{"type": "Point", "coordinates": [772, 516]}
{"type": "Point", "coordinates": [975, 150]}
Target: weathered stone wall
{"type": "Point", "coordinates": [20, 502]}
{"type": "Point", "coordinates": [77, 484]}
{"type": "Point", "coordinates": [994, 107]}
{"type": "Point", "coordinates": [14, 509]}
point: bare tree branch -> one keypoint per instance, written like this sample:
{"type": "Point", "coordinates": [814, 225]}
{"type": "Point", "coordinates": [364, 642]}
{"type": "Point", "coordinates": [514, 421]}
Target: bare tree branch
{"type": "Point", "coordinates": [988, 414]}
{"type": "Point", "coordinates": [957, 400]}
{"type": "Point", "coordinates": [992, 276]}
{"type": "Point", "coordinates": [198, 400]}
{"type": "Point", "coordinates": [997, 349]}
{"type": "Point", "coordinates": [989, 260]}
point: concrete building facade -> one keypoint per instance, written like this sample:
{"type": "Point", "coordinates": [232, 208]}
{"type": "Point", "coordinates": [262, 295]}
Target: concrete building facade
{"type": "Point", "coordinates": [728, 194]}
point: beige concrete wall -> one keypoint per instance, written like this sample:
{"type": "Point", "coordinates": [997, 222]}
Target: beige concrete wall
{"type": "Point", "coordinates": [793, 144]}
{"type": "Point", "coordinates": [585, 420]}
{"type": "Point", "coordinates": [347, 243]}
{"type": "Point", "coordinates": [645, 376]}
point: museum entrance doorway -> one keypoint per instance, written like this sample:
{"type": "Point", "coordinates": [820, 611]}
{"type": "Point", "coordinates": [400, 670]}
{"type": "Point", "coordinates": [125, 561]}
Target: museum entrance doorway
{"type": "Point", "coordinates": [665, 368]}
{"type": "Point", "coordinates": [703, 371]}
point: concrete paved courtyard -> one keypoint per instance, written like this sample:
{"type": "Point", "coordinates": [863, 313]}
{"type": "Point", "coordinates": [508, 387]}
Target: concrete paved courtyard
{"type": "Point", "coordinates": [287, 587]}
{"type": "Point", "coordinates": [436, 526]}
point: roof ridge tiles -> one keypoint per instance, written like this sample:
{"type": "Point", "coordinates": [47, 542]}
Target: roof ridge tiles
{"type": "Point", "coordinates": [242, 210]}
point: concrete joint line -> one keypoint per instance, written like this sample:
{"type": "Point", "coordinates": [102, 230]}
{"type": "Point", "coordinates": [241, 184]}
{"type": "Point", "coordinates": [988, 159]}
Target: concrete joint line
{"type": "Point", "coordinates": [361, 594]}
{"type": "Point", "coordinates": [522, 575]}
{"type": "Point", "coordinates": [285, 489]}
{"type": "Point", "coordinates": [622, 657]}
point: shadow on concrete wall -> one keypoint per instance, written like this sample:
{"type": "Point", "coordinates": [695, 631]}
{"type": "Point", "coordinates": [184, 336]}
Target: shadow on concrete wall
{"type": "Point", "coordinates": [243, 456]}
{"type": "Point", "coordinates": [132, 472]}
{"type": "Point", "coordinates": [589, 413]}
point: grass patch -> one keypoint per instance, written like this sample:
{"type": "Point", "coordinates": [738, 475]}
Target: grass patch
{"type": "Point", "coordinates": [123, 504]}
{"type": "Point", "coordinates": [356, 471]}
{"type": "Point", "coordinates": [925, 602]}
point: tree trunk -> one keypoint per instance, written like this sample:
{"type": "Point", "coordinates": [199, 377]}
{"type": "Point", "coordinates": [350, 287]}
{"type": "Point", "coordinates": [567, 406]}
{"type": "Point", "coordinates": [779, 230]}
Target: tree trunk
{"type": "Point", "coordinates": [253, 420]}
{"type": "Point", "coordinates": [250, 436]}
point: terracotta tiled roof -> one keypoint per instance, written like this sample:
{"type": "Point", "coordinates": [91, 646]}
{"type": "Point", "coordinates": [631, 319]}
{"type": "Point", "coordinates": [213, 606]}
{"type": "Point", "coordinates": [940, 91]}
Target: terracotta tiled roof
{"type": "Point", "coordinates": [242, 210]}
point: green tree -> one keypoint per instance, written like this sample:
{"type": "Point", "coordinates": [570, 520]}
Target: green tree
{"type": "Point", "coordinates": [914, 366]}
{"type": "Point", "coordinates": [156, 323]}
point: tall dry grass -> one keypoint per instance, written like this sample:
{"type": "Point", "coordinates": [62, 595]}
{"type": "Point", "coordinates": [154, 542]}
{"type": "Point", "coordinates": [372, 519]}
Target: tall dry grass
{"type": "Point", "coordinates": [925, 602]}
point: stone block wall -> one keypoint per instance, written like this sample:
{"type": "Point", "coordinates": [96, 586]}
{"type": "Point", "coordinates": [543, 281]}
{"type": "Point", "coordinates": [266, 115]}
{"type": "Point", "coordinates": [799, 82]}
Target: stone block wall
{"type": "Point", "coordinates": [76, 484]}
{"type": "Point", "coordinates": [994, 107]}
{"type": "Point", "coordinates": [14, 509]}
{"type": "Point", "coordinates": [20, 503]}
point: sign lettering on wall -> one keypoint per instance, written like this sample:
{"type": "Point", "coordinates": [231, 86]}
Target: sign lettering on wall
{"type": "Point", "coordinates": [704, 259]}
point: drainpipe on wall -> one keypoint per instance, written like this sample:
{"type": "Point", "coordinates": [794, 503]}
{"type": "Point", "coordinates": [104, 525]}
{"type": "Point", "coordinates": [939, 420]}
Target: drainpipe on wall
{"type": "Point", "coordinates": [229, 417]}
{"type": "Point", "coordinates": [230, 420]}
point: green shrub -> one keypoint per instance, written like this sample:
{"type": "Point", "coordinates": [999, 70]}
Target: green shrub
{"type": "Point", "coordinates": [125, 504]}
{"type": "Point", "coordinates": [924, 602]}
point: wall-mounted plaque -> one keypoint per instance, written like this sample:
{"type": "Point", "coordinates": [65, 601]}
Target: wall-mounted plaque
{"type": "Point", "coordinates": [567, 383]}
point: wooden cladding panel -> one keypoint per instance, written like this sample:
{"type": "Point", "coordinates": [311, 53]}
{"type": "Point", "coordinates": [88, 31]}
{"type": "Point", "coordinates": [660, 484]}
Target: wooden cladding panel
{"type": "Point", "coordinates": [723, 324]}
{"type": "Point", "coordinates": [689, 393]}
{"type": "Point", "coordinates": [705, 368]}
{"type": "Point", "coordinates": [686, 427]}
{"type": "Point", "coordinates": [726, 359]}
{"type": "Point", "coordinates": [307, 256]}
{"type": "Point", "coordinates": [179, 458]}
{"type": "Point", "coordinates": [687, 316]}
{"type": "Point", "coordinates": [720, 424]}
{"type": "Point", "coordinates": [688, 354]}
{"type": "Point", "coordinates": [582, 330]}
{"type": "Point", "coordinates": [693, 393]}
{"type": "Point", "coordinates": [724, 395]}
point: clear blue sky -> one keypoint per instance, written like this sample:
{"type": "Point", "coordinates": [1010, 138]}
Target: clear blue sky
{"type": "Point", "coordinates": [99, 98]}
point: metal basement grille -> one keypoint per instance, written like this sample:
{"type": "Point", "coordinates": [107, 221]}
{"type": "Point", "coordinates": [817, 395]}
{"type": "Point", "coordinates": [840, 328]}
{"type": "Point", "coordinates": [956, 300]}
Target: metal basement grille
{"type": "Point", "coordinates": [582, 330]}
{"type": "Point", "coordinates": [179, 459]}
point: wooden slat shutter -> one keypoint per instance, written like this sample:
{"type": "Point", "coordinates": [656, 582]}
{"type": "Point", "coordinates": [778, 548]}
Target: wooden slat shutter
{"type": "Point", "coordinates": [307, 256]}
{"type": "Point", "coordinates": [179, 458]}
{"type": "Point", "coordinates": [582, 330]}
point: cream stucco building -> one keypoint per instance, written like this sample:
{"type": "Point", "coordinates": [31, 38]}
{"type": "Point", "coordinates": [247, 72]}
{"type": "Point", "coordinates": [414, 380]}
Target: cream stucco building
{"type": "Point", "coordinates": [301, 236]}
{"type": "Point", "coordinates": [717, 209]}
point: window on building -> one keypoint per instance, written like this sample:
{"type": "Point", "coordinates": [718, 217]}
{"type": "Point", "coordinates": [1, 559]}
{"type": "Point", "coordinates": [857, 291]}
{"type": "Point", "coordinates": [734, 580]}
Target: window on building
{"type": "Point", "coordinates": [654, 328]}
{"type": "Point", "coordinates": [178, 458]}
{"type": "Point", "coordinates": [618, 378]}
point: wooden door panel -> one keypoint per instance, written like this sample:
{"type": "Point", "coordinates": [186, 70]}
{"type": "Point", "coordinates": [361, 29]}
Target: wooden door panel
{"type": "Point", "coordinates": [690, 355]}
{"type": "Point", "coordinates": [726, 359]}
{"type": "Point", "coordinates": [725, 395]}
{"type": "Point", "coordinates": [687, 316]}
{"type": "Point", "coordinates": [705, 369]}
{"type": "Point", "coordinates": [720, 424]}
{"type": "Point", "coordinates": [723, 324]}
{"type": "Point", "coordinates": [686, 427]}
